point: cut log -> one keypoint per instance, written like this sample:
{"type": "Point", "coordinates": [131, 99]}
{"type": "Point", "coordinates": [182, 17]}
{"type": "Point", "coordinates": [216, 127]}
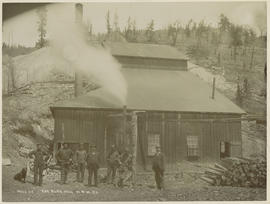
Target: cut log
{"type": "Point", "coordinates": [208, 180]}
{"type": "Point", "coordinates": [217, 170]}
{"type": "Point", "coordinates": [211, 176]}
{"type": "Point", "coordinates": [220, 167]}
{"type": "Point", "coordinates": [212, 172]}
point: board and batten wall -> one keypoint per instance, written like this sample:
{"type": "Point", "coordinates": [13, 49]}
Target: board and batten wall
{"type": "Point", "coordinates": [93, 127]}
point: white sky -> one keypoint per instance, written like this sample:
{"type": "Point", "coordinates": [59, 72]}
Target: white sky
{"type": "Point", "coordinates": [23, 28]}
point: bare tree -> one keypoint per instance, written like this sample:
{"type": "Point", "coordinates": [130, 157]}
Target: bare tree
{"type": "Point", "coordinates": [173, 31]}
{"type": "Point", "coordinates": [108, 22]}
{"type": "Point", "coordinates": [128, 30]}
{"type": "Point", "coordinates": [188, 28]}
{"type": "Point", "coordinates": [236, 37]}
{"type": "Point", "coordinates": [150, 31]}
{"type": "Point", "coordinates": [115, 23]}
{"type": "Point", "coordinates": [42, 22]}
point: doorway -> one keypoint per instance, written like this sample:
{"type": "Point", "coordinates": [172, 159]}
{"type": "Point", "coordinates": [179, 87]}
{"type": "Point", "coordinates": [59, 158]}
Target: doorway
{"type": "Point", "coordinates": [225, 149]}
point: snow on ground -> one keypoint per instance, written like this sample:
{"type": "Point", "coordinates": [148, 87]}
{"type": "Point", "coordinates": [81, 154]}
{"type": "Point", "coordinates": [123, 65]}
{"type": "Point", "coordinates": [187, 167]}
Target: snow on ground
{"type": "Point", "coordinates": [207, 76]}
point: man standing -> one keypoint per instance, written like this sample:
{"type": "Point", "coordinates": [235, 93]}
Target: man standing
{"type": "Point", "coordinates": [64, 157]}
{"type": "Point", "coordinates": [112, 159]}
{"type": "Point", "coordinates": [92, 165]}
{"type": "Point", "coordinates": [39, 164]}
{"type": "Point", "coordinates": [158, 168]}
{"type": "Point", "coordinates": [80, 157]}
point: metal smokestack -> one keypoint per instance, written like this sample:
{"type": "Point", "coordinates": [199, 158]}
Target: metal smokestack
{"type": "Point", "coordinates": [213, 88]}
{"type": "Point", "coordinates": [79, 21]}
{"type": "Point", "coordinates": [78, 13]}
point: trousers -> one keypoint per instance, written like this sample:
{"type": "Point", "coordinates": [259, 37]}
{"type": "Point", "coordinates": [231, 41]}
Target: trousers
{"type": "Point", "coordinates": [64, 172]}
{"type": "Point", "coordinates": [92, 171]}
{"type": "Point", "coordinates": [38, 170]}
{"type": "Point", "coordinates": [80, 172]}
{"type": "Point", "coordinates": [111, 173]}
{"type": "Point", "coordinates": [159, 177]}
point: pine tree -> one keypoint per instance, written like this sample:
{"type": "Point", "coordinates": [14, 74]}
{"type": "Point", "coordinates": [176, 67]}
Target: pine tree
{"type": "Point", "coordinates": [42, 22]}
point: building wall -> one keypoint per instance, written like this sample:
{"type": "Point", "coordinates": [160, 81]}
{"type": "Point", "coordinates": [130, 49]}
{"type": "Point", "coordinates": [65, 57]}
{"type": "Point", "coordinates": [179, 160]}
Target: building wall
{"type": "Point", "coordinates": [85, 126]}
{"type": "Point", "coordinates": [173, 136]}
{"type": "Point", "coordinates": [152, 63]}
{"type": "Point", "coordinates": [80, 126]}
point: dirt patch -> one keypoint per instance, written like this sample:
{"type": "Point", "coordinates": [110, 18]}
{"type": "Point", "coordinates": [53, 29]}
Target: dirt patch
{"type": "Point", "coordinates": [176, 190]}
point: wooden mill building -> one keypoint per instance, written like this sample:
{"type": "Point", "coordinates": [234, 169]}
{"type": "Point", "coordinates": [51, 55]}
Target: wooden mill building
{"type": "Point", "coordinates": [176, 110]}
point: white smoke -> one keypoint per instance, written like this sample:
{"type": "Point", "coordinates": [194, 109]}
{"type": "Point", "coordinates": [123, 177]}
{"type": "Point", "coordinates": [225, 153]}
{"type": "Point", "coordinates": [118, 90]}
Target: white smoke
{"type": "Point", "coordinates": [67, 41]}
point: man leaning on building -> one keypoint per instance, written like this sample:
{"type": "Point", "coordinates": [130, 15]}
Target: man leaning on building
{"type": "Point", "coordinates": [64, 158]}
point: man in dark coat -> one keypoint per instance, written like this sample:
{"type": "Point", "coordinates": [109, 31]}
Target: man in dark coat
{"type": "Point", "coordinates": [39, 164]}
{"type": "Point", "coordinates": [80, 157]}
{"type": "Point", "coordinates": [113, 162]}
{"type": "Point", "coordinates": [92, 165]}
{"type": "Point", "coordinates": [64, 157]}
{"type": "Point", "coordinates": [158, 168]}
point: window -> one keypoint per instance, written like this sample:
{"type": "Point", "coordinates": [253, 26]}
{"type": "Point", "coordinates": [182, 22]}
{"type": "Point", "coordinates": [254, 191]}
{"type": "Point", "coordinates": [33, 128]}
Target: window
{"type": "Point", "coordinates": [193, 146]}
{"type": "Point", "coordinates": [153, 141]}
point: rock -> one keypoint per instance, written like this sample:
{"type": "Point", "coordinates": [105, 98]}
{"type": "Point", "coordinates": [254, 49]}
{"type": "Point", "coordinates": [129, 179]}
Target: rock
{"type": "Point", "coordinates": [24, 152]}
{"type": "Point", "coordinates": [6, 162]}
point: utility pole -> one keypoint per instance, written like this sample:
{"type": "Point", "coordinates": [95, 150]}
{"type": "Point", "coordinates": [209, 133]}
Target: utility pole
{"type": "Point", "coordinates": [213, 88]}
{"type": "Point", "coordinates": [134, 132]}
{"type": "Point", "coordinates": [78, 76]}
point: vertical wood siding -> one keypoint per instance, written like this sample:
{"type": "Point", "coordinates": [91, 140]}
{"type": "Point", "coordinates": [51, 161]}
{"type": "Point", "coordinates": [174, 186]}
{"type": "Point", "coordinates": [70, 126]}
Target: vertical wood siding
{"type": "Point", "coordinates": [88, 126]}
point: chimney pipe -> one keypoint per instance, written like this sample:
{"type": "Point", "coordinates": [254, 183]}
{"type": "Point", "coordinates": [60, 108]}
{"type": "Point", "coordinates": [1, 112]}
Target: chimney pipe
{"type": "Point", "coordinates": [78, 76]}
{"type": "Point", "coordinates": [123, 139]}
{"type": "Point", "coordinates": [78, 13]}
{"type": "Point", "coordinates": [213, 89]}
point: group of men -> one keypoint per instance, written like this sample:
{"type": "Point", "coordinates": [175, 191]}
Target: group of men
{"type": "Point", "coordinates": [91, 160]}
{"type": "Point", "coordinates": [119, 170]}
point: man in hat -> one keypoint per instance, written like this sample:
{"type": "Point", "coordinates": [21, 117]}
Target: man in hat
{"type": "Point", "coordinates": [158, 168]}
{"type": "Point", "coordinates": [64, 157]}
{"type": "Point", "coordinates": [113, 162]}
{"type": "Point", "coordinates": [39, 164]}
{"type": "Point", "coordinates": [80, 157]}
{"type": "Point", "coordinates": [92, 165]}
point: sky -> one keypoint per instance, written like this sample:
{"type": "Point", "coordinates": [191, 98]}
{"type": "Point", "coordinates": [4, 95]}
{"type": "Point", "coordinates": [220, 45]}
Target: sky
{"type": "Point", "coordinates": [22, 29]}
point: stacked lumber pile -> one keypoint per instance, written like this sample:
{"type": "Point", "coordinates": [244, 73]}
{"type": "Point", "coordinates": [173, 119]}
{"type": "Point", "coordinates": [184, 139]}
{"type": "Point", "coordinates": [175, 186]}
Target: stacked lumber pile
{"type": "Point", "coordinates": [239, 172]}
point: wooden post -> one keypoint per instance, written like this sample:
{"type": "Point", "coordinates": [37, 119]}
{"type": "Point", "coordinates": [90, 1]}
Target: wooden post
{"type": "Point", "coordinates": [252, 56]}
{"type": "Point", "coordinates": [213, 90]}
{"type": "Point", "coordinates": [79, 22]}
{"type": "Point", "coordinates": [178, 154]}
{"type": "Point", "coordinates": [54, 150]}
{"type": "Point", "coordinates": [78, 84]}
{"type": "Point", "coordinates": [134, 133]}
{"type": "Point", "coordinates": [105, 144]}
{"type": "Point", "coordinates": [123, 136]}
{"type": "Point", "coordinates": [163, 132]}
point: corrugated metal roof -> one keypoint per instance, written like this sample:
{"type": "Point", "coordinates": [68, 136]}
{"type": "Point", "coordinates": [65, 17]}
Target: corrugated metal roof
{"type": "Point", "coordinates": [160, 90]}
{"type": "Point", "coordinates": [145, 50]}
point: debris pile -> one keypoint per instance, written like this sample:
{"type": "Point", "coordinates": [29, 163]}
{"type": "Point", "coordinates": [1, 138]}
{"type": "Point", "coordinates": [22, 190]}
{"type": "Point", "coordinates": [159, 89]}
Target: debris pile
{"type": "Point", "coordinates": [238, 172]}
{"type": "Point", "coordinates": [51, 174]}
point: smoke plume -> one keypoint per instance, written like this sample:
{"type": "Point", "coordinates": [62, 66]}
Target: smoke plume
{"type": "Point", "coordinates": [68, 41]}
